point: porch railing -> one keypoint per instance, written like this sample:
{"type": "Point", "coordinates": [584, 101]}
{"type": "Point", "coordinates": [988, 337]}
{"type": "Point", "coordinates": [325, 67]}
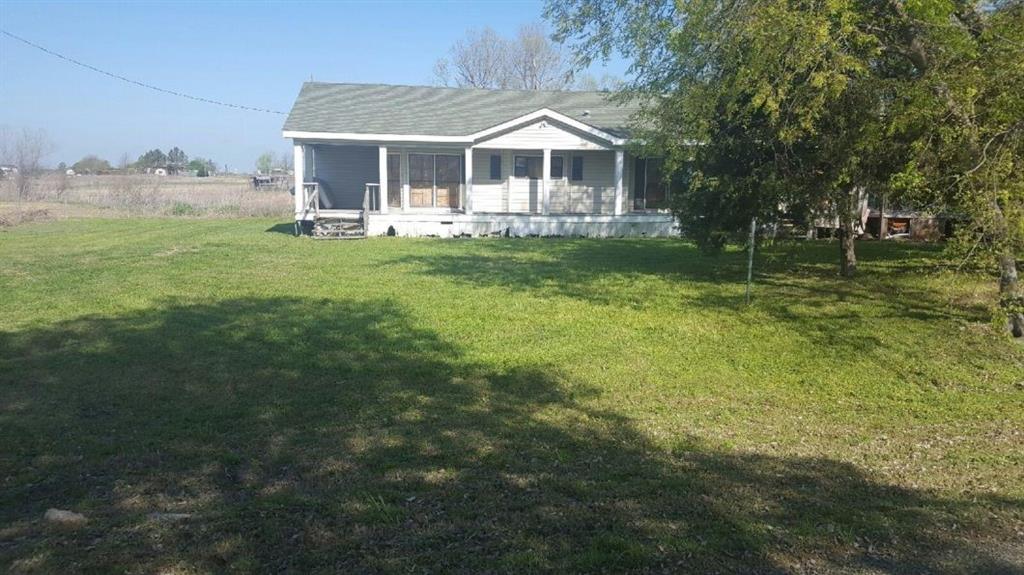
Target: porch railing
{"type": "Point", "coordinates": [371, 198]}
{"type": "Point", "coordinates": [311, 193]}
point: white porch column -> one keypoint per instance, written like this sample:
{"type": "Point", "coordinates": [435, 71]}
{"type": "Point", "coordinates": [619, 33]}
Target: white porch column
{"type": "Point", "coordinates": [620, 162]}
{"type": "Point", "coordinates": [545, 182]}
{"type": "Point", "coordinates": [299, 166]}
{"type": "Point", "coordinates": [382, 165]}
{"type": "Point", "coordinates": [469, 180]}
{"type": "Point", "coordinates": [404, 161]}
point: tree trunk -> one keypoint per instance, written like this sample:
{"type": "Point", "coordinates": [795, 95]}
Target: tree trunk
{"type": "Point", "coordinates": [847, 254]}
{"type": "Point", "coordinates": [847, 233]}
{"type": "Point", "coordinates": [883, 222]}
{"type": "Point", "coordinates": [1010, 291]}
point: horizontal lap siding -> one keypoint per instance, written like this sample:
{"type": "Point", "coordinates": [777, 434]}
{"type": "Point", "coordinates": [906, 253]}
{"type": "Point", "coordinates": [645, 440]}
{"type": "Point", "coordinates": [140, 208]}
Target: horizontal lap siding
{"type": "Point", "coordinates": [525, 196]}
{"type": "Point", "coordinates": [545, 134]}
{"type": "Point", "coordinates": [489, 195]}
{"type": "Point", "coordinates": [594, 194]}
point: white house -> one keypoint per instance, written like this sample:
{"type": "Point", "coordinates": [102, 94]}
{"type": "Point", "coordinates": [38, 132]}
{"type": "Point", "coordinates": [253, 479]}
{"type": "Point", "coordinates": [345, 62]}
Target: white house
{"type": "Point", "coordinates": [413, 160]}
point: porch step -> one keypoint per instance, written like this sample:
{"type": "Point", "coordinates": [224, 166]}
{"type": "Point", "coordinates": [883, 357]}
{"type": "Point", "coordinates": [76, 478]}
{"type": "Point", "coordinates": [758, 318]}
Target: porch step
{"type": "Point", "coordinates": [339, 228]}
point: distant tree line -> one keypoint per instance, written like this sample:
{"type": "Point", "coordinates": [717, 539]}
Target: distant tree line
{"type": "Point", "coordinates": [175, 161]}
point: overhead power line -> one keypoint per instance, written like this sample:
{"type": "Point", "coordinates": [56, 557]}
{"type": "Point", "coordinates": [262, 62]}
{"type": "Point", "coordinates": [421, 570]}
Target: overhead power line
{"type": "Point", "coordinates": [136, 82]}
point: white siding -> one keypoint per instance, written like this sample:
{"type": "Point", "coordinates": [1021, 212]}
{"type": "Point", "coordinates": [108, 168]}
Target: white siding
{"type": "Point", "coordinates": [525, 196]}
{"type": "Point", "coordinates": [545, 134]}
{"type": "Point", "coordinates": [489, 195]}
{"type": "Point", "coordinates": [594, 194]}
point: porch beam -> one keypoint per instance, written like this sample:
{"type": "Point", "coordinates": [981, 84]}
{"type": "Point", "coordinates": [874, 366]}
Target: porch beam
{"type": "Point", "coordinates": [545, 182]}
{"type": "Point", "coordinates": [299, 167]}
{"type": "Point", "coordinates": [468, 167]}
{"type": "Point", "coordinates": [382, 188]}
{"type": "Point", "coordinates": [620, 163]}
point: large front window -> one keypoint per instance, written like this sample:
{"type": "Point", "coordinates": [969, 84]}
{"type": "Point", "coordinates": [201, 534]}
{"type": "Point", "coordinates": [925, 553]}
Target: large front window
{"type": "Point", "coordinates": [651, 187]}
{"type": "Point", "coordinates": [435, 180]}
{"type": "Point", "coordinates": [530, 167]}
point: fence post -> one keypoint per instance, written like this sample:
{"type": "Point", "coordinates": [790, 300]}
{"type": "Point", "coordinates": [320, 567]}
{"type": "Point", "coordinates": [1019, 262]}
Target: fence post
{"type": "Point", "coordinates": [750, 257]}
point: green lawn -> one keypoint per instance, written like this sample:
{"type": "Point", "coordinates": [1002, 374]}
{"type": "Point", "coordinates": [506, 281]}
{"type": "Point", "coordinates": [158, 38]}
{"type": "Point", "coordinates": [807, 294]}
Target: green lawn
{"type": "Point", "coordinates": [496, 405]}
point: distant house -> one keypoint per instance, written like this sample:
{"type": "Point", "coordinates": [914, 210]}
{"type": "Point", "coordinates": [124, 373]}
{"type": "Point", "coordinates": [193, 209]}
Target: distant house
{"type": "Point", "coordinates": [886, 222]}
{"type": "Point", "coordinates": [157, 171]}
{"type": "Point", "coordinates": [8, 170]}
{"type": "Point", "coordinates": [451, 161]}
{"type": "Point", "coordinates": [894, 222]}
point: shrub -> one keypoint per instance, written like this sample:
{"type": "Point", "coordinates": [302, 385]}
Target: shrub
{"type": "Point", "coordinates": [183, 209]}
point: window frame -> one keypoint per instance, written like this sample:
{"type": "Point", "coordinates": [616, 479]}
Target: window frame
{"type": "Point", "coordinates": [460, 181]}
{"type": "Point", "coordinates": [398, 158]}
{"type": "Point", "coordinates": [551, 171]}
{"type": "Point", "coordinates": [528, 158]}
{"type": "Point", "coordinates": [641, 201]}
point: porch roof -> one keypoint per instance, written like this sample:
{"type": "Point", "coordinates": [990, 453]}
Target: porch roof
{"type": "Point", "coordinates": [443, 112]}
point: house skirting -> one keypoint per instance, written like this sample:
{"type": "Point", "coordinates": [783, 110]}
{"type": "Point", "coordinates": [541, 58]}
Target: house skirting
{"type": "Point", "coordinates": [484, 224]}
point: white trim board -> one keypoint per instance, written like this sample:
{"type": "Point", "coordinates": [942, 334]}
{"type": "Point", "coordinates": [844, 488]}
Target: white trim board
{"type": "Point", "coordinates": [357, 137]}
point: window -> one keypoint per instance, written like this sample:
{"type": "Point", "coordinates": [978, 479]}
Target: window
{"type": "Point", "coordinates": [651, 188]}
{"type": "Point", "coordinates": [577, 169]}
{"type": "Point", "coordinates": [447, 180]}
{"type": "Point", "coordinates": [394, 180]}
{"type": "Point", "coordinates": [495, 167]}
{"type": "Point", "coordinates": [435, 180]}
{"type": "Point", "coordinates": [557, 167]}
{"type": "Point", "coordinates": [529, 167]}
{"type": "Point", "coordinates": [421, 180]}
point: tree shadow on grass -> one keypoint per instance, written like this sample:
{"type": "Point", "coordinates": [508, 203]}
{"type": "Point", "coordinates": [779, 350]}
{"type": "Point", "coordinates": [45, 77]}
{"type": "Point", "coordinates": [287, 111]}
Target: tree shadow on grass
{"type": "Point", "coordinates": [796, 284]}
{"type": "Point", "coordinates": [337, 436]}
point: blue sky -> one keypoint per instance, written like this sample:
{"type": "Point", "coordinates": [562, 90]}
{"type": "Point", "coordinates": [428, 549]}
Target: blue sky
{"type": "Point", "coordinates": [255, 54]}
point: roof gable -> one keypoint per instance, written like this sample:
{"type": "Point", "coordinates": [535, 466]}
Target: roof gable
{"type": "Point", "coordinates": [443, 112]}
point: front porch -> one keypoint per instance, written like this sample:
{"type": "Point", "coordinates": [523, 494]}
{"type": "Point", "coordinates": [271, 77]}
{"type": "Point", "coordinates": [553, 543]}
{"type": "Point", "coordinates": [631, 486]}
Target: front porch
{"type": "Point", "coordinates": [438, 190]}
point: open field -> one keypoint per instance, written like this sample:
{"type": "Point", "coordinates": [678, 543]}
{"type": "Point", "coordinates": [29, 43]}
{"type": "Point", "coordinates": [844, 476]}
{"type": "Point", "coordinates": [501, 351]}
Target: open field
{"type": "Point", "coordinates": [493, 405]}
{"type": "Point", "coordinates": [59, 197]}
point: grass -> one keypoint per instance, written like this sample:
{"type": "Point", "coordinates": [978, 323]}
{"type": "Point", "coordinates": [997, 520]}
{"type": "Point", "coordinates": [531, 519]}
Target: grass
{"type": "Point", "coordinates": [492, 405]}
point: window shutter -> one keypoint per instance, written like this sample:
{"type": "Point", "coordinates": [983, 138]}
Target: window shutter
{"type": "Point", "coordinates": [495, 167]}
{"type": "Point", "coordinates": [577, 168]}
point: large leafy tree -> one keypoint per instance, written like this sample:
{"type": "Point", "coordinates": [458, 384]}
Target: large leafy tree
{"type": "Point", "coordinates": [968, 112]}
{"type": "Point", "coordinates": [756, 93]}
{"type": "Point", "coordinates": [803, 104]}
{"type": "Point", "coordinates": [177, 159]}
{"type": "Point", "coordinates": [152, 159]}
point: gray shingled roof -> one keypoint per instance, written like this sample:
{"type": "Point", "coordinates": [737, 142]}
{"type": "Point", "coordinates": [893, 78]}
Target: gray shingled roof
{"type": "Point", "coordinates": [422, 110]}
